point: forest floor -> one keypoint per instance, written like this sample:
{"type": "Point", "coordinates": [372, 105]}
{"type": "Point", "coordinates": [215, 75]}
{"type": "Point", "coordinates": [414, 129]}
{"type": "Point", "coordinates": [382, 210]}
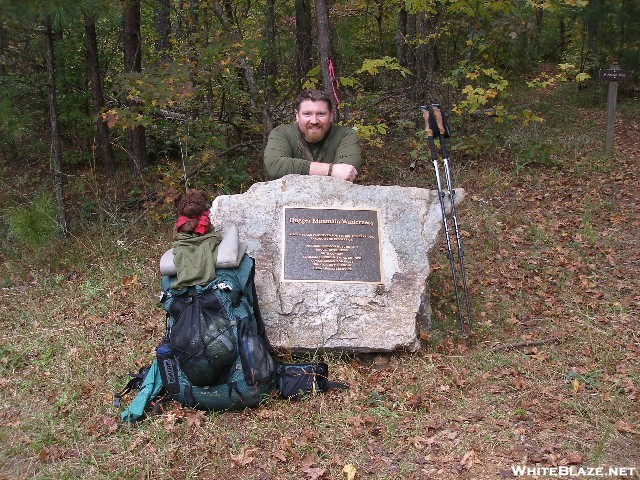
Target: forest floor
{"type": "Point", "coordinates": [549, 378]}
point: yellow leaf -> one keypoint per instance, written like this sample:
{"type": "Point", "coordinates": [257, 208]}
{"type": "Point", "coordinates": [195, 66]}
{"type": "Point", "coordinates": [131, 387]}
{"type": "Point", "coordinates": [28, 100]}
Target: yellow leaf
{"type": "Point", "coordinates": [349, 471]}
{"type": "Point", "coordinates": [130, 281]}
{"type": "Point", "coordinates": [575, 384]}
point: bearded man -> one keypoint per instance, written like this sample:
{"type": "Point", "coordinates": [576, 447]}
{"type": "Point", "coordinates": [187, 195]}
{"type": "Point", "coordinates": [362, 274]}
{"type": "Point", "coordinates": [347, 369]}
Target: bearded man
{"type": "Point", "coordinates": [313, 145]}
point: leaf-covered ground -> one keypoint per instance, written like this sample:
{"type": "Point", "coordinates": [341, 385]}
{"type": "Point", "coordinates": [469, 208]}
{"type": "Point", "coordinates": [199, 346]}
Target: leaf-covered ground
{"type": "Point", "coordinates": [550, 376]}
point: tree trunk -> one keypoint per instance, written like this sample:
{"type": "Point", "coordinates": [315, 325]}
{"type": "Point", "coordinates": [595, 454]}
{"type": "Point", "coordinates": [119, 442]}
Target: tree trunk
{"type": "Point", "coordinates": [270, 69]}
{"type": "Point", "coordinates": [410, 52]}
{"type": "Point", "coordinates": [562, 38]}
{"type": "Point", "coordinates": [304, 53]}
{"type": "Point", "coordinates": [250, 78]}
{"type": "Point", "coordinates": [194, 13]}
{"type": "Point", "coordinates": [401, 37]}
{"type": "Point", "coordinates": [425, 53]}
{"type": "Point", "coordinates": [4, 43]}
{"type": "Point", "coordinates": [137, 143]}
{"type": "Point", "coordinates": [228, 22]}
{"type": "Point", "coordinates": [379, 19]}
{"type": "Point", "coordinates": [95, 84]}
{"type": "Point", "coordinates": [162, 27]}
{"type": "Point", "coordinates": [594, 14]}
{"type": "Point", "coordinates": [56, 149]}
{"type": "Point", "coordinates": [324, 48]}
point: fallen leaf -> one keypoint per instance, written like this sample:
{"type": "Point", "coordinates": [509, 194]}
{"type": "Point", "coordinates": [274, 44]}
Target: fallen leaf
{"type": "Point", "coordinates": [420, 442]}
{"type": "Point", "coordinates": [169, 421]}
{"type": "Point", "coordinates": [572, 458]}
{"type": "Point", "coordinates": [286, 442]}
{"type": "Point", "coordinates": [49, 454]}
{"type": "Point", "coordinates": [451, 434]}
{"type": "Point", "coordinates": [111, 424]}
{"type": "Point", "coordinates": [243, 458]}
{"type": "Point", "coordinates": [264, 414]}
{"type": "Point", "coordinates": [194, 417]}
{"type": "Point", "coordinates": [625, 427]}
{"type": "Point", "coordinates": [576, 385]}
{"type": "Point", "coordinates": [280, 456]}
{"type": "Point", "coordinates": [130, 281]}
{"type": "Point", "coordinates": [541, 356]}
{"type": "Point", "coordinates": [314, 473]}
{"type": "Point", "coordinates": [468, 460]}
{"type": "Point", "coordinates": [349, 471]}
{"type": "Point", "coordinates": [518, 382]}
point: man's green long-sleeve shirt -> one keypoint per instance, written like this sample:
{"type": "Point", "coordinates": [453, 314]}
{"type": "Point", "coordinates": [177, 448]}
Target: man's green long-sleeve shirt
{"type": "Point", "coordinates": [282, 154]}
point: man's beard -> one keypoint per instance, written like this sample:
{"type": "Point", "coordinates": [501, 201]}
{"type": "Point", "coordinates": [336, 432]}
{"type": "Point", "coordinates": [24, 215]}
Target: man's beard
{"type": "Point", "coordinates": [314, 135]}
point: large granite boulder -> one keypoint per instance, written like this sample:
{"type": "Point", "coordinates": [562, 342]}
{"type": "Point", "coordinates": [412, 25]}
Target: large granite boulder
{"type": "Point", "coordinates": [345, 316]}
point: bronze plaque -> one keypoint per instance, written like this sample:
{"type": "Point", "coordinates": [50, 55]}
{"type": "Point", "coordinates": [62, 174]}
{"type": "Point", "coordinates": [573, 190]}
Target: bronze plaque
{"type": "Point", "coordinates": [331, 245]}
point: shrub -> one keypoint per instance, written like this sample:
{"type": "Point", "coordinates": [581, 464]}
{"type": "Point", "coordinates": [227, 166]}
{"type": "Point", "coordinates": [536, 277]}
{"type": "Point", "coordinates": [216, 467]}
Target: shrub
{"type": "Point", "coordinates": [34, 223]}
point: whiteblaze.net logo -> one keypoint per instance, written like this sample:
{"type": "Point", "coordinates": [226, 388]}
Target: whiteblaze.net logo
{"type": "Point", "coordinates": [573, 471]}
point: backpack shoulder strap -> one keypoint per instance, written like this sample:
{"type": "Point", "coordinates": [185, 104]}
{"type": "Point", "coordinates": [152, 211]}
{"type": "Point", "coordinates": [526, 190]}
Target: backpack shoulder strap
{"type": "Point", "coordinates": [335, 386]}
{"type": "Point", "coordinates": [135, 382]}
{"type": "Point", "coordinates": [149, 389]}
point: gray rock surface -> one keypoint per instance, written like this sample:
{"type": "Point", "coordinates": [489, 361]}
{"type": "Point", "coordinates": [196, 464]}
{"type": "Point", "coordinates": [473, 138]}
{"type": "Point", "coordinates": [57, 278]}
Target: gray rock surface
{"type": "Point", "coordinates": [345, 316]}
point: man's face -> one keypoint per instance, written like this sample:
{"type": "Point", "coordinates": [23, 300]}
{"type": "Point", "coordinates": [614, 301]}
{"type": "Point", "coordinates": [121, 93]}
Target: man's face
{"type": "Point", "coordinates": [314, 120]}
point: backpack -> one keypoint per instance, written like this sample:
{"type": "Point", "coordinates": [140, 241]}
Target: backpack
{"type": "Point", "coordinates": [215, 354]}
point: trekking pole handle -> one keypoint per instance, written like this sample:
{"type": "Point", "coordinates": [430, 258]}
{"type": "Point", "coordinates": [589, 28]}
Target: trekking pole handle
{"type": "Point", "coordinates": [437, 113]}
{"type": "Point", "coordinates": [427, 128]}
{"type": "Point", "coordinates": [425, 116]}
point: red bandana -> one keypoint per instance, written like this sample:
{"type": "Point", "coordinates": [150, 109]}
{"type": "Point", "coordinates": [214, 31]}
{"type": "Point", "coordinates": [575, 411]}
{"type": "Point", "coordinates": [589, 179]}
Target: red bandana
{"type": "Point", "coordinates": [203, 222]}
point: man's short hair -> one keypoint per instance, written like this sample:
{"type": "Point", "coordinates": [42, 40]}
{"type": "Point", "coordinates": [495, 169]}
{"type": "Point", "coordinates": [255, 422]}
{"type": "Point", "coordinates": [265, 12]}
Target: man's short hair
{"type": "Point", "coordinates": [314, 96]}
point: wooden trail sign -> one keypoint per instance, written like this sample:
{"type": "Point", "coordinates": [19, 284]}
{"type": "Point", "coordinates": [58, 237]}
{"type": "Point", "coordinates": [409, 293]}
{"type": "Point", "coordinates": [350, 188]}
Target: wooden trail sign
{"type": "Point", "coordinates": [614, 74]}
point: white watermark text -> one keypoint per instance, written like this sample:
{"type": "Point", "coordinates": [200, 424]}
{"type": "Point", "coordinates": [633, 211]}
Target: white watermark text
{"type": "Point", "coordinates": [573, 471]}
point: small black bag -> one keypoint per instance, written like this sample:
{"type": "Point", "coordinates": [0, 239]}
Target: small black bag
{"type": "Point", "coordinates": [296, 380]}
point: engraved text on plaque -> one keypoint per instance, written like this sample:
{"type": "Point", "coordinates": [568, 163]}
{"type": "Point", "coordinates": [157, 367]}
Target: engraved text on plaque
{"type": "Point", "coordinates": [331, 244]}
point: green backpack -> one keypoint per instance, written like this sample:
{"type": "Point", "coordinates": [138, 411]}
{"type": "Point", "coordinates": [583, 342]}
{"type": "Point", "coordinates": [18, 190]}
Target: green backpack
{"type": "Point", "coordinates": [215, 354]}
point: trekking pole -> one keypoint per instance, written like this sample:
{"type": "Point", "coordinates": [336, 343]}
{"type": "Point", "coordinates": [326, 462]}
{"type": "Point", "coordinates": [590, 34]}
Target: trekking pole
{"type": "Point", "coordinates": [442, 128]}
{"type": "Point", "coordinates": [427, 115]}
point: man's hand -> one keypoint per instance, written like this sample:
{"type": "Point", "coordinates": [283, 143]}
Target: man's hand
{"type": "Point", "coordinates": [344, 171]}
